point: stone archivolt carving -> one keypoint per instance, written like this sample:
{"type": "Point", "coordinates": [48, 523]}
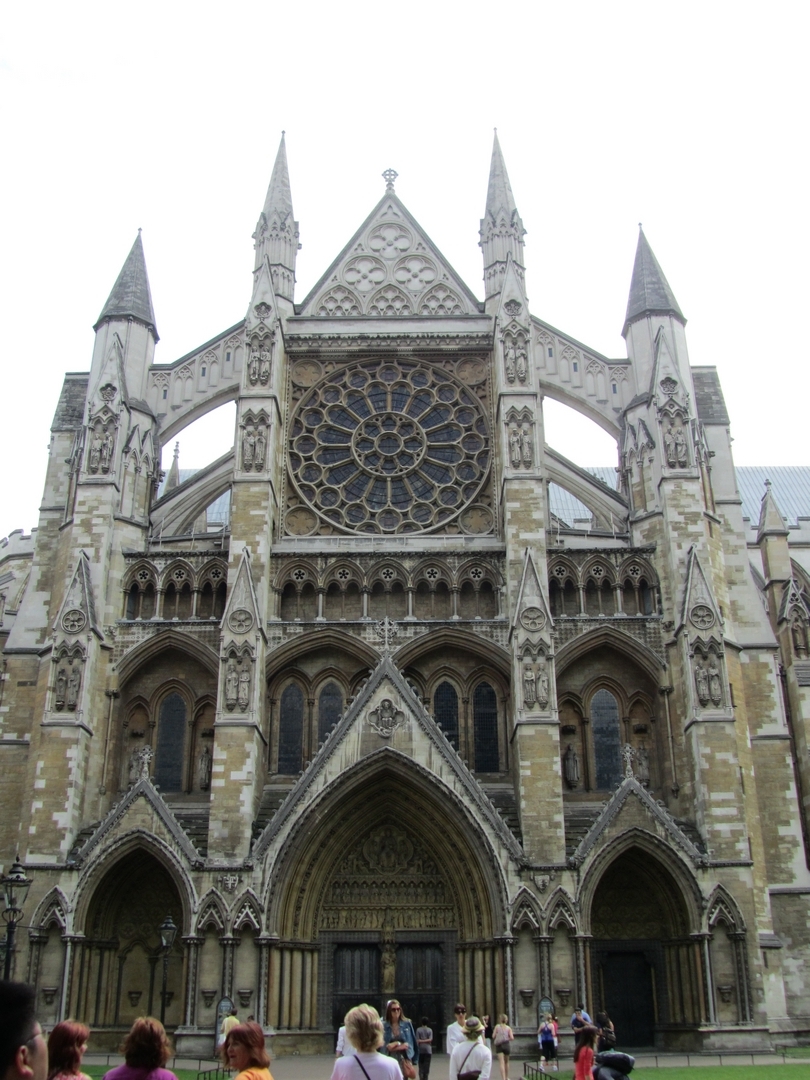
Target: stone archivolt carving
{"type": "Point", "coordinates": [395, 446]}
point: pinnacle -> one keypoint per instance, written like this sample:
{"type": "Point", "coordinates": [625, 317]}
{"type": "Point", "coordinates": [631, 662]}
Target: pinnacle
{"type": "Point", "coordinates": [131, 296]}
{"type": "Point", "coordinates": [500, 200]}
{"type": "Point", "coordinates": [279, 196]}
{"type": "Point", "coordinates": [650, 292]}
{"type": "Point", "coordinates": [771, 520]}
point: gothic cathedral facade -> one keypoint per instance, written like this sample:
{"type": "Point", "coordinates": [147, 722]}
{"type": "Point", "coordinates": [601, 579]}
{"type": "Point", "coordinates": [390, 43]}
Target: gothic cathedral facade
{"type": "Point", "coordinates": [395, 728]}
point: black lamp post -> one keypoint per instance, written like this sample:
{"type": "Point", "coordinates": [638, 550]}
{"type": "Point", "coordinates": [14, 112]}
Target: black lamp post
{"type": "Point", "coordinates": [15, 889]}
{"type": "Point", "coordinates": [168, 932]}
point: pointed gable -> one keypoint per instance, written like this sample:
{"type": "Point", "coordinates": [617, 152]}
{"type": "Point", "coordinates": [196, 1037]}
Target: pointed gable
{"type": "Point", "coordinates": [131, 296]}
{"type": "Point", "coordinates": [700, 612]}
{"type": "Point", "coordinates": [78, 609]}
{"type": "Point", "coordinates": [390, 267]}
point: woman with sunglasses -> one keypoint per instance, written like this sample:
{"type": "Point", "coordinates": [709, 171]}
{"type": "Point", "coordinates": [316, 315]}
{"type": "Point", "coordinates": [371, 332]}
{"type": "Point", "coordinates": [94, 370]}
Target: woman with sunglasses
{"type": "Point", "coordinates": [399, 1038]}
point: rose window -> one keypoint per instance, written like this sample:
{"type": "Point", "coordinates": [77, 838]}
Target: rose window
{"type": "Point", "coordinates": [395, 447]}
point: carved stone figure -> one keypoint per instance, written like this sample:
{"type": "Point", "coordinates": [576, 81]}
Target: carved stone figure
{"type": "Point", "coordinates": [643, 765]}
{"type": "Point", "coordinates": [95, 452]}
{"type": "Point", "coordinates": [231, 686]}
{"type": "Point", "coordinates": [514, 447]}
{"type": "Point", "coordinates": [388, 969]}
{"type": "Point", "coordinates": [259, 451]}
{"type": "Point", "coordinates": [73, 684]}
{"type": "Point", "coordinates": [106, 451]}
{"type": "Point", "coordinates": [244, 688]}
{"type": "Point", "coordinates": [669, 447]}
{"type": "Point", "coordinates": [571, 766]}
{"type": "Point", "coordinates": [248, 449]}
{"type": "Point", "coordinates": [680, 448]}
{"type": "Point", "coordinates": [264, 367]}
{"type": "Point", "coordinates": [144, 757]}
{"type": "Point", "coordinates": [526, 446]}
{"type": "Point", "coordinates": [134, 767]}
{"type": "Point", "coordinates": [715, 686]}
{"type": "Point", "coordinates": [509, 357]}
{"type": "Point", "coordinates": [253, 367]}
{"type": "Point", "coordinates": [521, 364]}
{"type": "Point", "coordinates": [204, 769]}
{"type": "Point", "coordinates": [799, 637]}
{"type": "Point", "coordinates": [529, 686]}
{"type": "Point", "coordinates": [61, 688]}
{"type": "Point", "coordinates": [701, 682]}
{"type": "Point", "coordinates": [542, 688]}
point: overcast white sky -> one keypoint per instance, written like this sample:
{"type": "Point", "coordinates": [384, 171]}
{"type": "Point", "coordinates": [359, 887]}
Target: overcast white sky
{"type": "Point", "coordinates": [689, 117]}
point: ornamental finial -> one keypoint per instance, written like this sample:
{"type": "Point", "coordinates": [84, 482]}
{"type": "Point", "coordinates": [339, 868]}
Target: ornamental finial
{"type": "Point", "coordinates": [389, 176]}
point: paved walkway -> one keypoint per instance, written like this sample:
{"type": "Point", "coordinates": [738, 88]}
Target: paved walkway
{"type": "Point", "coordinates": [319, 1066]}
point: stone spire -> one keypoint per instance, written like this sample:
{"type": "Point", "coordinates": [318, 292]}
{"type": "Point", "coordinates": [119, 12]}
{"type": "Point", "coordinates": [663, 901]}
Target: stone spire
{"type": "Point", "coordinates": [276, 233]}
{"type": "Point", "coordinates": [650, 293]}
{"type": "Point", "coordinates": [502, 230]}
{"type": "Point", "coordinates": [130, 297]}
{"type": "Point", "coordinates": [771, 521]}
{"type": "Point", "coordinates": [173, 479]}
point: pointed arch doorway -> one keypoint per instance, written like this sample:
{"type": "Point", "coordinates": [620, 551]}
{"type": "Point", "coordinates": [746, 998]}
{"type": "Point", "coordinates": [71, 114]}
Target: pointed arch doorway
{"type": "Point", "coordinates": [390, 895]}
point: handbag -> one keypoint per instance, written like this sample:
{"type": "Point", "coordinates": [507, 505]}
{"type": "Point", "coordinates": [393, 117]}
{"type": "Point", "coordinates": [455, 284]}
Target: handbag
{"type": "Point", "coordinates": [473, 1074]}
{"type": "Point", "coordinates": [408, 1070]}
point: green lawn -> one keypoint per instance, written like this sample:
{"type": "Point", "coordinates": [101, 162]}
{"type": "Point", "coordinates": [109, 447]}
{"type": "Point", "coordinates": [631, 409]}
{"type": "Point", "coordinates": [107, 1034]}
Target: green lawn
{"type": "Point", "coordinates": [695, 1072]}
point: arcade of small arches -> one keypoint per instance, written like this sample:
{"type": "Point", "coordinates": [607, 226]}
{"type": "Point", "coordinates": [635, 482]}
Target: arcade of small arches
{"type": "Point", "coordinates": [595, 586]}
{"type": "Point", "coordinates": [179, 591]}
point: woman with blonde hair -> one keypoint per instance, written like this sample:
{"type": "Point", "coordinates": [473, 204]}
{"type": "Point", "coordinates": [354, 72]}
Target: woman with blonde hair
{"type": "Point", "coordinates": [146, 1050]}
{"type": "Point", "coordinates": [502, 1038]}
{"type": "Point", "coordinates": [245, 1053]}
{"type": "Point", "coordinates": [364, 1030]}
{"type": "Point", "coordinates": [66, 1046]}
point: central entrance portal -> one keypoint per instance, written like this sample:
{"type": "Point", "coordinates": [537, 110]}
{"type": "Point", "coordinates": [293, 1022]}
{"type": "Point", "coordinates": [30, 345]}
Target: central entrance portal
{"type": "Point", "coordinates": [419, 981]}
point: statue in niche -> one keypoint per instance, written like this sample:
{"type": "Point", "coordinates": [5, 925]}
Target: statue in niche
{"type": "Point", "coordinates": [510, 356]}
{"type": "Point", "coordinates": [134, 767]}
{"type": "Point", "coordinates": [231, 686]}
{"type": "Point", "coordinates": [61, 688]}
{"type": "Point", "coordinates": [264, 366]}
{"type": "Point", "coordinates": [106, 451]}
{"type": "Point", "coordinates": [259, 450]}
{"type": "Point", "coordinates": [253, 367]}
{"type": "Point", "coordinates": [669, 447]}
{"type": "Point", "coordinates": [95, 452]}
{"type": "Point", "coordinates": [204, 769]}
{"type": "Point", "coordinates": [248, 449]}
{"type": "Point", "coordinates": [514, 446]}
{"type": "Point", "coordinates": [542, 688]}
{"type": "Point", "coordinates": [571, 766]}
{"type": "Point", "coordinates": [643, 765]}
{"type": "Point", "coordinates": [73, 684]}
{"type": "Point", "coordinates": [701, 682]}
{"type": "Point", "coordinates": [521, 364]}
{"type": "Point", "coordinates": [388, 969]}
{"type": "Point", "coordinates": [526, 446]}
{"type": "Point", "coordinates": [799, 638]}
{"type": "Point", "coordinates": [680, 448]}
{"type": "Point", "coordinates": [244, 689]}
{"type": "Point", "coordinates": [715, 686]}
{"type": "Point", "coordinates": [529, 686]}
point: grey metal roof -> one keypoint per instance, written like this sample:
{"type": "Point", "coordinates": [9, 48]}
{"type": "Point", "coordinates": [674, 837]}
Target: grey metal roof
{"type": "Point", "coordinates": [131, 295]}
{"type": "Point", "coordinates": [649, 289]}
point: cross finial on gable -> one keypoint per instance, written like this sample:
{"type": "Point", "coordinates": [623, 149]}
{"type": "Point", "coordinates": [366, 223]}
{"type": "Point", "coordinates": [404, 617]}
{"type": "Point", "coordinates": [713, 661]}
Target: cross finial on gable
{"type": "Point", "coordinates": [389, 176]}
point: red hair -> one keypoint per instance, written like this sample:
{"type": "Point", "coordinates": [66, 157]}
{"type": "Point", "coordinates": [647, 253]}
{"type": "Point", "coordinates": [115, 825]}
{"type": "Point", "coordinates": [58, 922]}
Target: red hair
{"type": "Point", "coordinates": [146, 1046]}
{"type": "Point", "coordinates": [64, 1047]}
{"type": "Point", "coordinates": [251, 1036]}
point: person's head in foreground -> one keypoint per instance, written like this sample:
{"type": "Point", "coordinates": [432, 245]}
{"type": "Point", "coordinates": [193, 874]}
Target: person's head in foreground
{"type": "Point", "coordinates": [364, 1028]}
{"type": "Point", "coordinates": [473, 1028]}
{"type": "Point", "coordinates": [23, 1050]}
{"type": "Point", "coordinates": [244, 1048]}
{"type": "Point", "coordinates": [146, 1046]}
{"type": "Point", "coordinates": [66, 1046]}
{"type": "Point", "coordinates": [586, 1036]}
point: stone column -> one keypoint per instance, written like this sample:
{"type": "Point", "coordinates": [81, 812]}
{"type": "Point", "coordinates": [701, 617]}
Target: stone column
{"type": "Point", "coordinates": [192, 944]}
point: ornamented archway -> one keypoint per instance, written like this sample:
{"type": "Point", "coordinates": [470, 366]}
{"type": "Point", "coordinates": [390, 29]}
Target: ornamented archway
{"type": "Point", "coordinates": [388, 887]}
{"type": "Point", "coordinates": [117, 972]}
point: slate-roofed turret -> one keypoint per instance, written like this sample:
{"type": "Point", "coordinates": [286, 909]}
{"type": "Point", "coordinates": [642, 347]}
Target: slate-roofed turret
{"type": "Point", "coordinates": [131, 297]}
{"type": "Point", "coordinates": [650, 292]}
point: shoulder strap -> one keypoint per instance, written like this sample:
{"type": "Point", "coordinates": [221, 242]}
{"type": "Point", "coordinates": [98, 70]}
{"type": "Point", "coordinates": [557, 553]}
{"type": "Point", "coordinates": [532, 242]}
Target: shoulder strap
{"type": "Point", "coordinates": [362, 1066]}
{"type": "Point", "coordinates": [464, 1062]}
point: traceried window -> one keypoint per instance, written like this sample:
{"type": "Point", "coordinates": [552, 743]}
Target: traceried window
{"type": "Point", "coordinates": [170, 743]}
{"type": "Point", "coordinates": [393, 447]}
{"type": "Point", "coordinates": [330, 706]}
{"type": "Point", "coordinates": [291, 730]}
{"type": "Point", "coordinates": [606, 739]}
{"type": "Point", "coordinates": [445, 709]}
{"type": "Point", "coordinates": [485, 724]}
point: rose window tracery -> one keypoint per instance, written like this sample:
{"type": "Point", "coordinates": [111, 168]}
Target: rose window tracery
{"type": "Point", "coordinates": [389, 448]}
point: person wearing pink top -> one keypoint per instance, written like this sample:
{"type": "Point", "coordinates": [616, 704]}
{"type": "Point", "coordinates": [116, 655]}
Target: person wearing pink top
{"type": "Point", "coordinates": [146, 1050]}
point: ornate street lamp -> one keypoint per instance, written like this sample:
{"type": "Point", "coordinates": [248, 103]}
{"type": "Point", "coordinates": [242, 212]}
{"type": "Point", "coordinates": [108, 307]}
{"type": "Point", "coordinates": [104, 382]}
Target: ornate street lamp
{"type": "Point", "coordinates": [15, 889]}
{"type": "Point", "coordinates": [168, 932]}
